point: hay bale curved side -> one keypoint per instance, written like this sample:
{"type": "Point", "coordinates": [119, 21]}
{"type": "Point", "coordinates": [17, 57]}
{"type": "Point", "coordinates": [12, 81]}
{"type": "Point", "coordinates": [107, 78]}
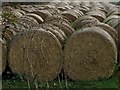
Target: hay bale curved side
{"type": "Point", "coordinates": [114, 22]}
{"type": "Point", "coordinates": [85, 21]}
{"type": "Point", "coordinates": [25, 23]}
{"type": "Point", "coordinates": [43, 13]}
{"type": "Point", "coordinates": [37, 53]}
{"type": "Point", "coordinates": [111, 17]}
{"type": "Point", "coordinates": [37, 17]}
{"type": "Point", "coordinates": [65, 28]}
{"type": "Point", "coordinates": [100, 15]}
{"type": "Point", "coordinates": [90, 54]}
{"type": "Point", "coordinates": [54, 30]}
{"type": "Point", "coordinates": [110, 30]}
{"type": "Point", "coordinates": [3, 55]}
{"type": "Point", "coordinates": [70, 15]}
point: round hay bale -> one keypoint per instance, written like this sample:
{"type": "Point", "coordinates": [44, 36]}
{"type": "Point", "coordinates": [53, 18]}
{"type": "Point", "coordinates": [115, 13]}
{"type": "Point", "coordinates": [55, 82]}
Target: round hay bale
{"type": "Point", "coordinates": [113, 11]}
{"type": "Point", "coordinates": [65, 28]}
{"type": "Point", "coordinates": [1, 66]}
{"type": "Point", "coordinates": [100, 15]}
{"type": "Point", "coordinates": [21, 11]}
{"type": "Point", "coordinates": [27, 8]}
{"type": "Point", "coordinates": [37, 53]}
{"type": "Point", "coordinates": [43, 13]}
{"type": "Point", "coordinates": [117, 11]}
{"type": "Point", "coordinates": [54, 11]}
{"type": "Point", "coordinates": [78, 12]}
{"type": "Point", "coordinates": [7, 8]}
{"type": "Point", "coordinates": [84, 10]}
{"type": "Point", "coordinates": [3, 55]}
{"type": "Point", "coordinates": [74, 3]}
{"type": "Point", "coordinates": [108, 6]}
{"type": "Point", "coordinates": [110, 30]}
{"type": "Point", "coordinates": [90, 54]}
{"type": "Point", "coordinates": [117, 27]}
{"type": "Point", "coordinates": [26, 22]}
{"type": "Point", "coordinates": [63, 8]}
{"type": "Point", "coordinates": [87, 8]}
{"type": "Point", "coordinates": [8, 33]}
{"type": "Point", "coordinates": [100, 9]}
{"type": "Point", "coordinates": [111, 17]}
{"type": "Point", "coordinates": [43, 7]}
{"type": "Point", "coordinates": [59, 19]}
{"type": "Point", "coordinates": [58, 29]}
{"type": "Point", "coordinates": [70, 15]}
{"type": "Point", "coordinates": [97, 4]}
{"type": "Point", "coordinates": [114, 22]}
{"type": "Point", "coordinates": [85, 21]}
{"type": "Point", "coordinates": [88, 23]}
{"type": "Point", "coordinates": [86, 4]}
{"type": "Point", "coordinates": [54, 30]}
{"type": "Point", "coordinates": [17, 13]}
{"type": "Point", "coordinates": [37, 17]}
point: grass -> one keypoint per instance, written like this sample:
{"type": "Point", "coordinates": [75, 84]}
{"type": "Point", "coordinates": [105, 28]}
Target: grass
{"type": "Point", "coordinates": [18, 83]}
{"type": "Point", "coordinates": [11, 81]}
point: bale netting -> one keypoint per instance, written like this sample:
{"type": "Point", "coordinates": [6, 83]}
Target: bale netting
{"type": "Point", "coordinates": [90, 54]}
{"type": "Point", "coordinates": [37, 53]}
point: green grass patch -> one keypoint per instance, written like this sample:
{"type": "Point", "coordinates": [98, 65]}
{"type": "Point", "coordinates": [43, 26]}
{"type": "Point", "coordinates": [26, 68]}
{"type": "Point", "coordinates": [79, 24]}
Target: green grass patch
{"type": "Point", "coordinates": [108, 83]}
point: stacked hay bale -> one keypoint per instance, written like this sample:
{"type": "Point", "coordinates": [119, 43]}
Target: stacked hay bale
{"type": "Point", "coordinates": [83, 50]}
{"type": "Point", "coordinates": [42, 33]}
{"type": "Point", "coordinates": [113, 20]}
{"type": "Point", "coordinates": [33, 37]}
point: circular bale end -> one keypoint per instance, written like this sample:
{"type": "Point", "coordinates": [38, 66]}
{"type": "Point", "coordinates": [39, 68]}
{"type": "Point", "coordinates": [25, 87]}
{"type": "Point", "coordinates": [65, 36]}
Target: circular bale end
{"type": "Point", "coordinates": [37, 53]}
{"type": "Point", "coordinates": [90, 54]}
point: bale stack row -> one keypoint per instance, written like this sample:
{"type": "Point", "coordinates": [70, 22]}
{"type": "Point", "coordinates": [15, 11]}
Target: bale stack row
{"type": "Point", "coordinates": [84, 58]}
{"type": "Point", "coordinates": [72, 36]}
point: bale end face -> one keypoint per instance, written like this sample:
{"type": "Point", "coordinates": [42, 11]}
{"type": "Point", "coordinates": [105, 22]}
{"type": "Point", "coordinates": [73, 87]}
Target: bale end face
{"type": "Point", "coordinates": [90, 54]}
{"type": "Point", "coordinates": [36, 52]}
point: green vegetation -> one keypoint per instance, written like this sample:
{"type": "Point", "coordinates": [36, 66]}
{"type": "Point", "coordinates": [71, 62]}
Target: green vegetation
{"type": "Point", "coordinates": [17, 83]}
